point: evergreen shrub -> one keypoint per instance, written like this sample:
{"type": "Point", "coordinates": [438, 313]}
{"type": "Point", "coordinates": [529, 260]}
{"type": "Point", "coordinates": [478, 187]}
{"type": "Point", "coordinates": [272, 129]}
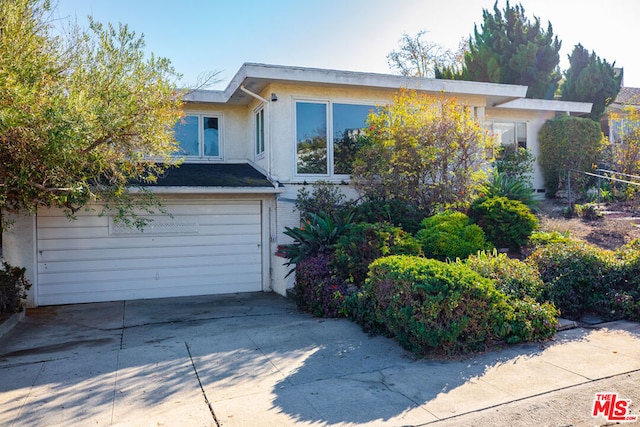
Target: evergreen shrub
{"type": "Point", "coordinates": [450, 235]}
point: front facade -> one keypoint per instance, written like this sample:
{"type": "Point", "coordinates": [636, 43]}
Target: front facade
{"type": "Point", "coordinates": [248, 150]}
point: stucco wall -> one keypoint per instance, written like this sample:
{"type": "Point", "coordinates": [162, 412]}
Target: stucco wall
{"type": "Point", "coordinates": [233, 129]}
{"type": "Point", "coordinates": [534, 120]}
{"type": "Point", "coordinates": [18, 248]}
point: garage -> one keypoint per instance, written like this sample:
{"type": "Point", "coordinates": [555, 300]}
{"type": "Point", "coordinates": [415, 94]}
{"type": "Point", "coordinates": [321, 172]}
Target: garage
{"type": "Point", "coordinates": [206, 246]}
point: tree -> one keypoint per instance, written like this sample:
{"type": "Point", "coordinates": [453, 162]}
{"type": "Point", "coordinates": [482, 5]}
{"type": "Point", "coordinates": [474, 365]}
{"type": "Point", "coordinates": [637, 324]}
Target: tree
{"type": "Point", "coordinates": [513, 50]}
{"type": "Point", "coordinates": [81, 117]}
{"type": "Point", "coordinates": [417, 57]}
{"type": "Point", "coordinates": [590, 79]}
{"type": "Point", "coordinates": [568, 143]}
{"type": "Point", "coordinates": [424, 150]}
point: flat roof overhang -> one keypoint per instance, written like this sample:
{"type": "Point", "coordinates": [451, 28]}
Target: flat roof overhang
{"type": "Point", "coordinates": [256, 77]}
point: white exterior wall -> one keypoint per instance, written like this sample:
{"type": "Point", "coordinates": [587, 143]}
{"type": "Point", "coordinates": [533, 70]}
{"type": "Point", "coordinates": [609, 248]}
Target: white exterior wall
{"type": "Point", "coordinates": [234, 132]}
{"type": "Point", "coordinates": [534, 120]}
{"type": "Point", "coordinates": [19, 249]}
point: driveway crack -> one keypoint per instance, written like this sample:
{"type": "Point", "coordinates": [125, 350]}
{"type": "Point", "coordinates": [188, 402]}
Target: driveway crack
{"type": "Point", "coordinates": [204, 393]}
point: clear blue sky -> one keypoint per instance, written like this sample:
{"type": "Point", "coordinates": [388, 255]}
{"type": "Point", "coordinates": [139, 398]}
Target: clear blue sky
{"type": "Point", "coordinates": [199, 36]}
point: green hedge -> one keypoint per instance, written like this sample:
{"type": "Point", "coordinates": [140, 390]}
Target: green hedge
{"type": "Point", "coordinates": [568, 143]}
{"type": "Point", "coordinates": [582, 278]}
{"type": "Point", "coordinates": [515, 278]}
{"type": "Point", "coordinates": [436, 307]}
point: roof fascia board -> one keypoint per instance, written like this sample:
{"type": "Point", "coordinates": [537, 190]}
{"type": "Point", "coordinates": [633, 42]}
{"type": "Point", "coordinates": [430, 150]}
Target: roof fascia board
{"type": "Point", "coordinates": [547, 105]}
{"type": "Point", "coordinates": [211, 190]}
{"type": "Point", "coordinates": [352, 78]}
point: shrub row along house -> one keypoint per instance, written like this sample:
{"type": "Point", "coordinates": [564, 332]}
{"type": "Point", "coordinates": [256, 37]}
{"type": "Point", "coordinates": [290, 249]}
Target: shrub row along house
{"type": "Point", "coordinates": [248, 149]}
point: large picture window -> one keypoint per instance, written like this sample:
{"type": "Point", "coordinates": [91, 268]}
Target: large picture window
{"type": "Point", "coordinates": [198, 136]}
{"type": "Point", "coordinates": [327, 136]}
{"type": "Point", "coordinates": [510, 135]}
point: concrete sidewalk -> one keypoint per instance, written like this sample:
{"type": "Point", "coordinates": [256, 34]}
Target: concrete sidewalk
{"type": "Point", "coordinates": [253, 360]}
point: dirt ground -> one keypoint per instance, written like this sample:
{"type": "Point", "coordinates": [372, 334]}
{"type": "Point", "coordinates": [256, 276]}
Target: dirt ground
{"type": "Point", "coordinates": [620, 224]}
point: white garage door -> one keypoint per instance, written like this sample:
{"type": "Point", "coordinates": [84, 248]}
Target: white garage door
{"type": "Point", "coordinates": [203, 248]}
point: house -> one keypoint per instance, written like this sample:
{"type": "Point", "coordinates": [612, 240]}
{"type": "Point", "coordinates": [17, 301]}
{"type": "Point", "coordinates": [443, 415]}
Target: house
{"type": "Point", "coordinates": [248, 150]}
{"type": "Point", "coordinates": [613, 121]}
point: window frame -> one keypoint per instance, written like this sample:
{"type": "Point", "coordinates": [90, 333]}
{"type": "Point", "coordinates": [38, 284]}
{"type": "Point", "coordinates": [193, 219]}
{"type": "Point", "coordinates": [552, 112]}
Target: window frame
{"type": "Point", "coordinates": [329, 105]}
{"type": "Point", "coordinates": [518, 142]}
{"type": "Point", "coordinates": [259, 131]}
{"type": "Point", "coordinates": [202, 157]}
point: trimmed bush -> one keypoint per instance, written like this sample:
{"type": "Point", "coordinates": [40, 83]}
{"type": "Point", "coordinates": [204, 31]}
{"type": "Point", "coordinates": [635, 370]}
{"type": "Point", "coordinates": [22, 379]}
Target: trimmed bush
{"type": "Point", "coordinates": [531, 320]}
{"type": "Point", "coordinates": [450, 235]}
{"type": "Point", "coordinates": [393, 211]}
{"type": "Point", "coordinates": [317, 290]}
{"type": "Point", "coordinates": [436, 307]}
{"type": "Point", "coordinates": [540, 238]}
{"type": "Point", "coordinates": [515, 278]}
{"type": "Point", "coordinates": [365, 243]}
{"type": "Point", "coordinates": [578, 276]}
{"type": "Point", "coordinates": [506, 223]}
{"type": "Point", "coordinates": [569, 143]}
{"type": "Point", "coordinates": [13, 289]}
{"type": "Point", "coordinates": [431, 306]}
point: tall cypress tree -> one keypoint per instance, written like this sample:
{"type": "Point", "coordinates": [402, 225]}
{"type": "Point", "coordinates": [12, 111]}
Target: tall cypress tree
{"type": "Point", "coordinates": [590, 79]}
{"type": "Point", "coordinates": [510, 49]}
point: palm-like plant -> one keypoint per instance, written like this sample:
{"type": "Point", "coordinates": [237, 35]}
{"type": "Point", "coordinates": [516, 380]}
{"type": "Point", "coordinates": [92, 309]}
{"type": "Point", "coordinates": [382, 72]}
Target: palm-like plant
{"type": "Point", "coordinates": [501, 184]}
{"type": "Point", "coordinates": [317, 236]}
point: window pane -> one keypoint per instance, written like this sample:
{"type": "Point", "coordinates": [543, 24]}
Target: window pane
{"type": "Point", "coordinates": [506, 135]}
{"type": "Point", "coordinates": [186, 133]}
{"type": "Point", "coordinates": [348, 122]}
{"type": "Point", "coordinates": [260, 132]}
{"type": "Point", "coordinates": [521, 128]}
{"type": "Point", "coordinates": [311, 138]}
{"type": "Point", "coordinates": [210, 135]}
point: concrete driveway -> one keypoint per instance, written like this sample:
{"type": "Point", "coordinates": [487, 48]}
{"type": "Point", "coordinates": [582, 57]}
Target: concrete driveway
{"type": "Point", "coordinates": [253, 360]}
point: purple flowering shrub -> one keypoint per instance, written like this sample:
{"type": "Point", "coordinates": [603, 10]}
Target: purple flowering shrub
{"type": "Point", "coordinates": [318, 290]}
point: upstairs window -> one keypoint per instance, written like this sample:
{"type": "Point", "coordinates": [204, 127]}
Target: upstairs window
{"type": "Point", "coordinates": [327, 136]}
{"type": "Point", "coordinates": [198, 136]}
{"type": "Point", "coordinates": [259, 118]}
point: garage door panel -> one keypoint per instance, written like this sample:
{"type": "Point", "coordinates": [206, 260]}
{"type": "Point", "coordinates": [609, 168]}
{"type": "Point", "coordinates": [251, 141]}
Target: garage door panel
{"type": "Point", "coordinates": [131, 291]}
{"type": "Point", "coordinates": [180, 274]}
{"type": "Point", "coordinates": [135, 253]}
{"type": "Point", "coordinates": [105, 265]}
{"type": "Point", "coordinates": [207, 247]}
{"type": "Point", "coordinates": [148, 242]}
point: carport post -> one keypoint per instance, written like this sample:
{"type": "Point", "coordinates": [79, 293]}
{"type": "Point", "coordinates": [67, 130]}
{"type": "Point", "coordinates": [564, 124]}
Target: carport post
{"type": "Point", "coordinates": [569, 187]}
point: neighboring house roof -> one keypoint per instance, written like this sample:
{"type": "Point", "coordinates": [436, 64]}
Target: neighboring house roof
{"type": "Point", "coordinates": [229, 176]}
{"type": "Point", "coordinates": [626, 96]}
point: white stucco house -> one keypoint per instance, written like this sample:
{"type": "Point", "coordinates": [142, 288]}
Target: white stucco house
{"type": "Point", "coordinates": [247, 154]}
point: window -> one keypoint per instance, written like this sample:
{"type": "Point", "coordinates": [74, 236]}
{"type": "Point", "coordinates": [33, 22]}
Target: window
{"type": "Point", "coordinates": [259, 132]}
{"type": "Point", "coordinates": [198, 136]}
{"type": "Point", "coordinates": [311, 138]}
{"type": "Point", "coordinates": [314, 155]}
{"type": "Point", "coordinates": [348, 121]}
{"type": "Point", "coordinates": [510, 135]}
{"type": "Point", "coordinates": [618, 130]}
